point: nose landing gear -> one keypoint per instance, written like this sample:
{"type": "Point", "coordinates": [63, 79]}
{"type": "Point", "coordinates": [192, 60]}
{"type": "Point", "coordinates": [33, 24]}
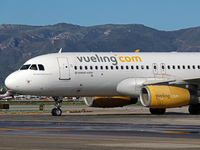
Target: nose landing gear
{"type": "Point", "coordinates": [57, 111]}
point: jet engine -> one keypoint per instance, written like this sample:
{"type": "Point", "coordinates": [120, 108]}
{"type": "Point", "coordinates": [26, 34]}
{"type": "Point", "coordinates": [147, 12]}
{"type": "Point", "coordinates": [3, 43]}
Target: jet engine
{"type": "Point", "coordinates": [161, 96]}
{"type": "Point", "coordinates": [107, 102]}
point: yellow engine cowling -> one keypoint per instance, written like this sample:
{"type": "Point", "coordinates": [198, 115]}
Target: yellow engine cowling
{"type": "Point", "coordinates": [106, 102]}
{"type": "Point", "coordinates": [161, 96]}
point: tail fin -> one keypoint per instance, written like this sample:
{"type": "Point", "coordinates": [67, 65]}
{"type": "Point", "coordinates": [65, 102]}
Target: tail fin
{"type": "Point", "coordinates": [6, 94]}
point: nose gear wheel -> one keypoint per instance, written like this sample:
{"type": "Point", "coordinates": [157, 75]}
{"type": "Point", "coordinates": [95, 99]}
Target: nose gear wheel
{"type": "Point", "coordinates": [57, 111]}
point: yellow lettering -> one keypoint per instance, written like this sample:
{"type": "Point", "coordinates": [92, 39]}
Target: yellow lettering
{"type": "Point", "coordinates": [128, 59]}
{"type": "Point", "coordinates": [120, 58]}
{"type": "Point", "coordinates": [136, 58]}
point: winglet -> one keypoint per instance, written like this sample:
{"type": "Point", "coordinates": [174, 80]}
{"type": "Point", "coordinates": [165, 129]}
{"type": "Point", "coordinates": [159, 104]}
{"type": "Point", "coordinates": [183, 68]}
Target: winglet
{"type": "Point", "coordinates": [137, 51]}
{"type": "Point", "coordinates": [60, 51]}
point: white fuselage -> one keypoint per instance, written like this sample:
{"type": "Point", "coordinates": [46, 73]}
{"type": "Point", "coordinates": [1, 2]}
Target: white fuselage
{"type": "Point", "coordinates": [99, 74]}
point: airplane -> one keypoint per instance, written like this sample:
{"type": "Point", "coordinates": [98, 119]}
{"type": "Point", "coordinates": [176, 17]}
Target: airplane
{"type": "Point", "coordinates": [7, 94]}
{"type": "Point", "coordinates": [113, 79]}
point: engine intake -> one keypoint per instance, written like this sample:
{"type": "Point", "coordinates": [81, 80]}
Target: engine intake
{"type": "Point", "coordinates": [107, 102]}
{"type": "Point", "coordinates": [161, 96]}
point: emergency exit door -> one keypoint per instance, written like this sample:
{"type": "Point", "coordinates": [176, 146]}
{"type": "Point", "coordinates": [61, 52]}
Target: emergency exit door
{"type": "Point", "coordinates": [155, 68]}
{"type": "Point", "coordinates": [163, 68]}
{"type": "Point", "coordinates": [64, 71]}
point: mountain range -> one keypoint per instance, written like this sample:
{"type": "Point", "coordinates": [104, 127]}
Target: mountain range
{"type": "Point", "coordinates": [19, 43]}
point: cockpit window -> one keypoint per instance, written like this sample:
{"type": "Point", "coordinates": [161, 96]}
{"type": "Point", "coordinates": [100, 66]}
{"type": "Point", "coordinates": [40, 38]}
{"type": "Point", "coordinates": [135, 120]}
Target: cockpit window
{"type": "Point", "coordinates": [24, 67]}
{"type": "Point", "coordinates": [41, 67]}
{"type": "Point", "coordinates": [33, 67]}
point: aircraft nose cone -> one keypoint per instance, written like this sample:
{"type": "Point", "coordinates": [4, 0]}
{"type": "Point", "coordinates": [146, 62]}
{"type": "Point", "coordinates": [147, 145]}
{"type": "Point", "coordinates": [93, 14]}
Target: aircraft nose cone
{"type": "Point", "coordinates": [11, 82]}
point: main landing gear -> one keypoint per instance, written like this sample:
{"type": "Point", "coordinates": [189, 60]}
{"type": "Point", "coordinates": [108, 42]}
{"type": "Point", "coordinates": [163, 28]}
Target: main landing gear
{"type": "Point", "coordinates": [57, 111]}
{"type": "Point", "coordinates": [194, 109]}
{"type": "Point", "coordinates": [157, 111]}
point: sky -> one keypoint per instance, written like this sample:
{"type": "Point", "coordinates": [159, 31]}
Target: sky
{"type": "Point", "coordinates": [167, 15]}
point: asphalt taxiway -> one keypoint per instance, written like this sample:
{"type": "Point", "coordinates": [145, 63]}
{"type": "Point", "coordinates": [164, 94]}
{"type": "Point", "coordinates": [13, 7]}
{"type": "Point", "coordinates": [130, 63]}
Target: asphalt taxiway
{"type": "Point", "coordinates": [118, 128]}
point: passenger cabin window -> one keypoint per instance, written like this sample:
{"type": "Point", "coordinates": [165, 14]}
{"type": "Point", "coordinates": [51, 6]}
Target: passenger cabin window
{"type": "Point", "coordinates": [132, 67]}
{"type": "Point", "coordinates": [24, 67]}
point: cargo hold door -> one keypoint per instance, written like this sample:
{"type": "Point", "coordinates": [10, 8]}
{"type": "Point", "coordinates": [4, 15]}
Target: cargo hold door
{"type": "Point", "coordinates": [64, 71]}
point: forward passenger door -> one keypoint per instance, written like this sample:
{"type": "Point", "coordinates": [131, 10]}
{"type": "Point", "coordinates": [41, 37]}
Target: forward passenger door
{"type": "Point", "coordinates": [64, 70]}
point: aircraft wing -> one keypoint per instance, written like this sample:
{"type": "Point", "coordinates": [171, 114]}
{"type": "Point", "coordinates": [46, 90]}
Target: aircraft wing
{"type": "Point", "coordinates": [192, 80]}
{"type": "Point", "coordinates": [161, 81]}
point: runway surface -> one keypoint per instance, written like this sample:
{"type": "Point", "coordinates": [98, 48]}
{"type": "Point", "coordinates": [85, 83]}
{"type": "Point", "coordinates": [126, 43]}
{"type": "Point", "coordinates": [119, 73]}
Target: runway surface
{"type": "Point", "coordinates": [119, 128]}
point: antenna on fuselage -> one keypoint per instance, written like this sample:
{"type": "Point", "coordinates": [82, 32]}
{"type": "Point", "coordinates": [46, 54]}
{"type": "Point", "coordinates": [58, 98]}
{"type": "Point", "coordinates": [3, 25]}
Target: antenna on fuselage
{"type": "Point", "coordinates": [60, 51]}
{"type": "Point", "coordinates": [137, 51]}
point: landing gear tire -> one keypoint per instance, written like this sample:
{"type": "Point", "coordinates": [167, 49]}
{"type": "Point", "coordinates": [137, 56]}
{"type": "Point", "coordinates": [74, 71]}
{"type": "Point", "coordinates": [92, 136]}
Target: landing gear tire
{"type": "Point", "coordinates": [194, 109]}
{"type": "Point", "coordinates": [157, 111]}
{"type": "Point", "coordinates": [56, 112]}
